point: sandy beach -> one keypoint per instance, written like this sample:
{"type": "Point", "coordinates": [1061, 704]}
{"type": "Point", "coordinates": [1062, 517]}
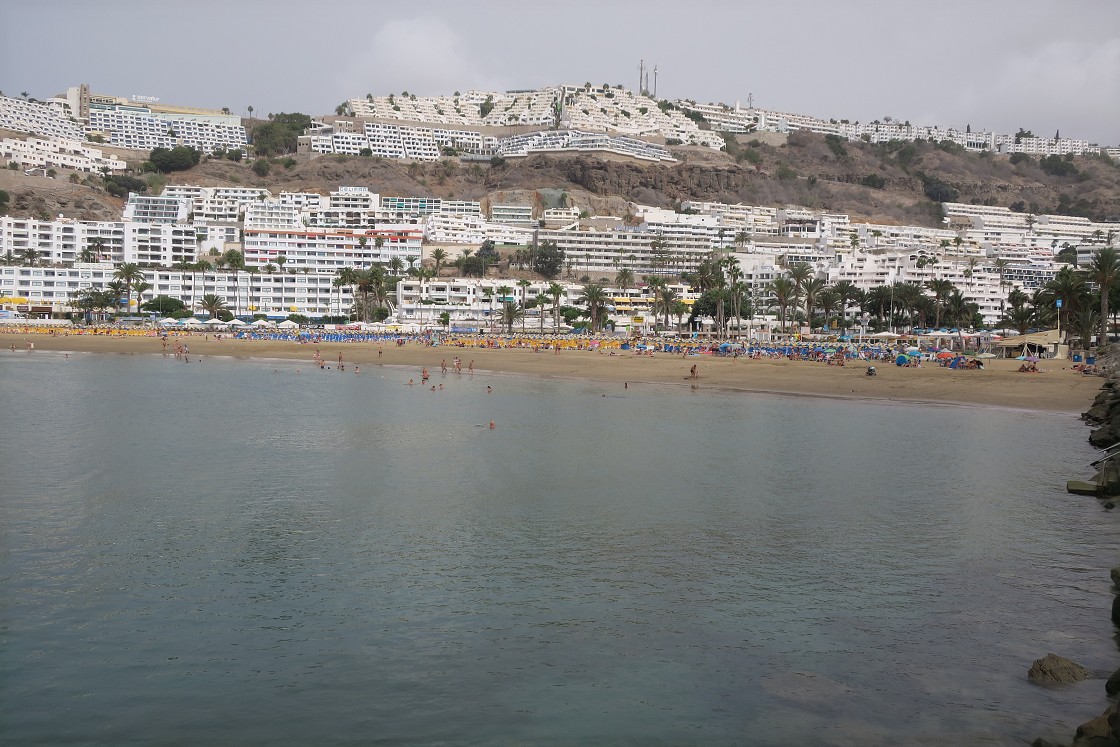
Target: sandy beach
{"type": "Point", "coordinates": [1056, 389]}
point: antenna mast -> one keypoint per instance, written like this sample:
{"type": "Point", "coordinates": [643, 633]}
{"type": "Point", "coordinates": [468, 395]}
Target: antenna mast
{"type": "Point", "coordinates": [641, 75]}
{"type": "Point", "coordinates": [655, 81]}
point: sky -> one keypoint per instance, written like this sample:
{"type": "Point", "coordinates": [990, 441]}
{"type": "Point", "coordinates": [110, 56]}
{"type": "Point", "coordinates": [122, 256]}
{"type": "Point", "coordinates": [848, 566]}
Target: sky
{"type": "Point", "coordinates": [992, 64]}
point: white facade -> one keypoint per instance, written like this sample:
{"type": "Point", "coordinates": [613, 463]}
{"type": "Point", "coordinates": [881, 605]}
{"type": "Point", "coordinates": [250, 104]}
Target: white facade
{"type": "Point", "coordinates": [37, 119]}
{"type": "Point", "coordinates": [58, 153]}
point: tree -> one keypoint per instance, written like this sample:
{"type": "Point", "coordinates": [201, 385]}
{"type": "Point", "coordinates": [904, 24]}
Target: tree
{"type": "Point", "coordinates": [439, 256]}
{"type": "Point", "coordinates": [511, 313]}
{"type": "Point", "coordinates": [812, 288]}
{"type": "Point", "coordinates": [1104, 270]}
{"type": "Point", "coordinates": [594, 297]}
{"type": "Point", "coordinates": [261, 167]}
{"type": "Point", "coordinates": [624, 278]}
{"type": "Point", "coordinates": [784, 292]}
{"type": "Point", "coordinates": [179, 158]}
{"type": "Point", "coordinates": [235, 260]}
{"type": "Point", "coordinates": [164, 305]}
{"type": "Point", "coordinates": [129, 273]}
{"type": "Point", "coordinates": [941, 289]}
{"type": "Point", "coordinates": [213, 304]}
{"type": "Point", "coordinates": [280, 135]}
{"type": "Point", "coordinates": [549, 259]}
{"type": "Point", "coordinates": [664, 301]}
{"type": "Point", "coordinates": [140, 287]}
{"type": "Point", "coordinates": [557, 292]}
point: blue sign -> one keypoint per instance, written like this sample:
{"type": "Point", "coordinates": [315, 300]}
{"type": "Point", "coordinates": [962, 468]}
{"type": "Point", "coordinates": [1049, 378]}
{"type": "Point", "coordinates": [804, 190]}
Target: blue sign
{"type": "Point", "coordinates": [1058, 303]}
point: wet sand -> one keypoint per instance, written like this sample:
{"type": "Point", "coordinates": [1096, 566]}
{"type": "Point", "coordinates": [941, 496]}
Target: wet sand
{"type": "Point", "coordinates": [1057, 389]}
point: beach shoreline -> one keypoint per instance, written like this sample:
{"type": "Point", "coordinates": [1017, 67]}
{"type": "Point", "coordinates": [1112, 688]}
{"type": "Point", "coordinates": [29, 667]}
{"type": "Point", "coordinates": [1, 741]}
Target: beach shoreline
{"type": "Point", "coordinates": [1058, 390]}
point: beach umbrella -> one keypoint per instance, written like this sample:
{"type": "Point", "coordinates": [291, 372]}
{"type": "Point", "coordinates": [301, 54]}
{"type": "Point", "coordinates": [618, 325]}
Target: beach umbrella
{"type": "Point", "coordinates": [986, 356]}
{"type": "Point", "coordinates": [169, 322]}
{"type": "Point", "coordinates": [1032, 358]}
{"type": "Point", "coordinates": [213, 322]}
{"type": "Point", "coordinates": [945, 354]}
{"type": "Point", "coordinates": [901, 360]}
{"type": "Point", "coordinates": [236, 323]}
{"type": "Point", "coordinates": [287, 324]}
{"type": "Point", "coordinates": [191, 322]}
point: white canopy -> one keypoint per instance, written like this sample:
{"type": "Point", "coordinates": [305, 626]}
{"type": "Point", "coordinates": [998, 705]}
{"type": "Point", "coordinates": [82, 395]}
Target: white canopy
{"type": "Point", "coordinates": [191, 322]}
{"type": "Point", "coordinates": [236, 323]}
{"type": "Point", "coordinates": [288, 324]}
{"type": "Point", "coordinates": [261, 323]}
{"type": "Point", "coordinates": [169, 322]}
{"type": "Point", "coordinates": [214, 322]}
{"type": "Point", "coordinates": [886, 335]}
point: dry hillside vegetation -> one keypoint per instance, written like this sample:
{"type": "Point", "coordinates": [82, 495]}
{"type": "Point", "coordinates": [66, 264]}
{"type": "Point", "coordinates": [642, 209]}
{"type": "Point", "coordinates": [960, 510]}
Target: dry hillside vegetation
{"type": "Point", "coordinates": [871, 183]}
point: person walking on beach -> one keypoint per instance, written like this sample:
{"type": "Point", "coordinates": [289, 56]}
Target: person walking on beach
{"type": "Point", "coordinates": [470, 368]}
{"type": "Point", "coordinates": [693, 370]}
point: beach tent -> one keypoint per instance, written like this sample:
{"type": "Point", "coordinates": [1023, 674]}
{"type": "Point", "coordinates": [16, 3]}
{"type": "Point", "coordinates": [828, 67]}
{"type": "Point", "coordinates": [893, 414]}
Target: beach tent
{"type": "Point", "coordinates": [287, 324]}
{"type": "Point", "coordinates": [213, 322]}
{"type": "Point", "coordinates": [885, 336]}
{"type": "Point", "coordinates": [191, 322]}
{"type": "Point", "coordinates": [261, 323]}
{"type": "Point", "coordinates": [236, 323]}
{"type": "Point", "coordinates": [169, 322]}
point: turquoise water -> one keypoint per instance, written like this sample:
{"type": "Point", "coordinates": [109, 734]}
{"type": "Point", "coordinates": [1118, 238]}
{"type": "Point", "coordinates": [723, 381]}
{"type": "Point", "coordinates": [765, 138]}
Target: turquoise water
{"type": "Point", "coordinates": [237, 552]}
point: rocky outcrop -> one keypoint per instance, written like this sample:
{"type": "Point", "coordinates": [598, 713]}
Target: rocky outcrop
{"type": "Point", "coordinates": [1057, 670]}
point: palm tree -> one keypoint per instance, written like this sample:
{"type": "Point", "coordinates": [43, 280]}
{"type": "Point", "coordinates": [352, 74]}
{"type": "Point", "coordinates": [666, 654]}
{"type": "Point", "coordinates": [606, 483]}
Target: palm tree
{"type": "Point", "coordinates": [235, 260]}
{"type": "Point", "coordinates": [827, 301]}
{"type": "Point", "coordinates": [812, 288]}
{"type": "Point", "coordinates": [511, 313]}
{"type": "Point", "coordinates": [140, 287]}
{"type": "Point", "coordinates": [1104, 270]}
{"type": "Point", "coordinates": [200, 266]}
{"type": "Point", "coordinates": [1068, 286]}
{"type": "Point", "coordinates": [212, 304]}
{"type": "Point", "coordinates": [624, 278]}
{"type": "Point", "coordinates": [878, 300]}
{"type": "Point", "coordinates": [664, 301]}
{"type": "Point", "coordinates": [785, 293]}
{"type": "Point", "coordinates": [347, 278]}
{"type": "Point", "coordinates": [439, 256]}
{"type": "Point", "coordinates": [129, 273]}
{"type": "Point", "coordinates": [970, 270]}
{"type": "Point", "coordinates": [941, 289]}
{"type": "Point", "coordinates": [594, 297]}
{"type": "Point", "coordinates": [557, 292]}
{"type": "Point", "coordinates": [680, 308]}
{"type": "Point", "coordinates": [1021, 318]}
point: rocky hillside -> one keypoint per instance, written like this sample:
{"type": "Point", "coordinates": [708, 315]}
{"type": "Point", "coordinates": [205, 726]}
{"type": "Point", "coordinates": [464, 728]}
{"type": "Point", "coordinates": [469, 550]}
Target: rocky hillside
{"type": "Point", "coordinates": [891, 184]}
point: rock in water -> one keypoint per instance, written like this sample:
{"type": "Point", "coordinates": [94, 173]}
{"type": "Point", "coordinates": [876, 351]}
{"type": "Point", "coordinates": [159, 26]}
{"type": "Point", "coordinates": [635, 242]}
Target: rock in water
{"type": "Point", "coordinates": [1056, 670]}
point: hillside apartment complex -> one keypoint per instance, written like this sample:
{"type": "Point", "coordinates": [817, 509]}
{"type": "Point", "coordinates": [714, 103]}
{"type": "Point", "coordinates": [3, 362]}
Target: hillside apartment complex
{"type": "Point", "coordinates": [295, 243]}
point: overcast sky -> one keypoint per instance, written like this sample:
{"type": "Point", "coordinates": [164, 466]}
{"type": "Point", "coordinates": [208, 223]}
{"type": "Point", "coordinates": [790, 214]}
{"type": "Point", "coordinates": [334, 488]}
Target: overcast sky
{"type": "Point", "coordinates": [992, 64]}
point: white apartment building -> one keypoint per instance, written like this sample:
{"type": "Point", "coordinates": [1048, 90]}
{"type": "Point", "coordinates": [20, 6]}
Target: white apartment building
{"type": "Point", "coordinates": [38, 119]}
{"type": "Point", "coordinates": [58, 153]}
{"type": "Point", "coordinates": [138, 128]}
{"type": "Point", "coordinates": [276, 295]}
{"type": "Point", "coordinates": [156, 209]}
{"type": "Point", "coordinates": [514, 215]}
{"type": "Point", "coordinates": [326, 250]}
{"type": "Point", "coordinates": [560, 141]}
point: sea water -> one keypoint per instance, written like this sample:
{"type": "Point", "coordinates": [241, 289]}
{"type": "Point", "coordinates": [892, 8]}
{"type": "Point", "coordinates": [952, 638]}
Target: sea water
{"type": "Point", "coordinates": [265, 552]}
